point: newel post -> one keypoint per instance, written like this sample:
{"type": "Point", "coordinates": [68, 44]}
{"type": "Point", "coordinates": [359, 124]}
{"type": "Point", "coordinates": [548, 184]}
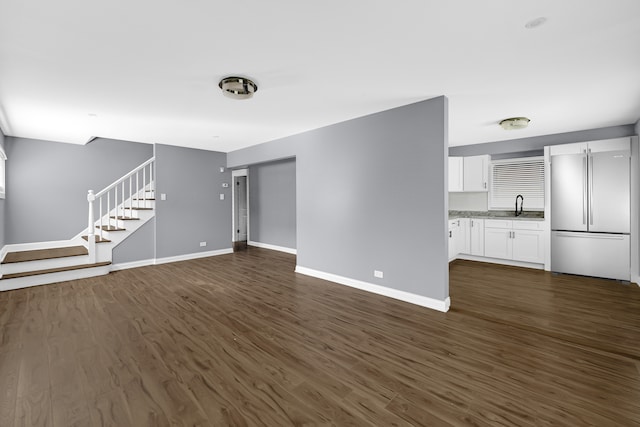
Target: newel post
{"type": "Point", "coordinates": [91, 237]}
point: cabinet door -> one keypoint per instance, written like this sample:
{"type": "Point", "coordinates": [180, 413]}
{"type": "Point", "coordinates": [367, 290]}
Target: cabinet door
{"type": "Point", "coordinates": [476, 173]}
{"type": "Point", "coordinates": [453, 234]}
{"type": "Point", "coordinates": [562, 149]}
{"type": "Point", "coordinates": [456, 174]}
{"type": "Point", "coordinates": [476, 231]}
{"type": "Point", "coordinates": [498, 243]}
{"type": "Point", "coordinates": [528, 246]}
{"type": "Point", "coordinates": [463, 241]}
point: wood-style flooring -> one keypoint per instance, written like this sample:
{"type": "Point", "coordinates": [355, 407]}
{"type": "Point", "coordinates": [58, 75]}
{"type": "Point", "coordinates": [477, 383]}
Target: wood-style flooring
{"type": "Point", "coordinates": [39, 254]}
{"type": "Point", "coordinates": [241, 340]}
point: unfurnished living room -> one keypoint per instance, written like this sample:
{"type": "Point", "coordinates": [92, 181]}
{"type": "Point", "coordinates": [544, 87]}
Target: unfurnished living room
{"type": "Point", "coordinates": [364, 213]}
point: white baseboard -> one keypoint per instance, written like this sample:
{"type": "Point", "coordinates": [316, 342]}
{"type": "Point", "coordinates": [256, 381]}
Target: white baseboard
{"type": "Point", "coordinates": [132, 264]}
{"type": "Point", "coordinates": [193, 256]}
{"type": "Point", "coordinates": [501, 261]}
{"type": "Point", "coordinates": [272, 247]}
{"type": "Point", "coordinates": [636, 280]}
{"type": "Point", "coordinates": [420, 300]}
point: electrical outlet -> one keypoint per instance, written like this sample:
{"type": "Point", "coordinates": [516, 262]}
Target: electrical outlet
{"type": "Point", "coordinates": [203, 244]}
{"type": "Point", "coordinates": [378, 274]}
{"type": "Point", "coordinates": [163, 196]}
{"type": "Point", "coordinates": [221, 169]}
{"type": "Point", "coordinates": [225, 185]}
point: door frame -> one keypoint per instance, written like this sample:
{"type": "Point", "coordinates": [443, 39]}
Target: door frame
{"type": "Point", "coordinates": [234, 174]}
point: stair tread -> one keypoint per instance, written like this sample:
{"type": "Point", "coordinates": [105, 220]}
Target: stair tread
{"type": "Point", "coordinates": [140, 209]}
{"type": "Point", "coordinates": [98, 239]}
{"type": "Point", "coordinates": [40, 254]}
{"type": "Point", "coordinates": [148, 198]}
{"type": "Point", "coordinates": [54, 270]}
{"type": "Point", "coordinates": [110, 228]}
{"type": "Point", "coordinates": [125, 218]}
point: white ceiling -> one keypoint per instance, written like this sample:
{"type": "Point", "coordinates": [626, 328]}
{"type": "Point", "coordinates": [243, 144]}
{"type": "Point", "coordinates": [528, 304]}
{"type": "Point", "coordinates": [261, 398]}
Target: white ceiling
{"type": "Point", "coordinates": [148, 70]}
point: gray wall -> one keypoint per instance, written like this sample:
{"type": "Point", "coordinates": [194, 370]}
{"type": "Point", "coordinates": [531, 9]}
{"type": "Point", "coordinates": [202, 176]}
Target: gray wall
{"type": "Point", "coordinates": [637, 127]}
{"type": "Point", "coordinates": [193, 211]}
{"type": "Point", "coordinates": [47, 183]}
{"type": "Point", "coordinates": [525, 145]}
{"type": "Point", "coordinates": [272, 203]}
{"type": "Point", "coordinates": [371, 194]}
{"type": "Point", "coordinates": [139, 246]}
{"type": "Point", "coordinates": [2, 204]}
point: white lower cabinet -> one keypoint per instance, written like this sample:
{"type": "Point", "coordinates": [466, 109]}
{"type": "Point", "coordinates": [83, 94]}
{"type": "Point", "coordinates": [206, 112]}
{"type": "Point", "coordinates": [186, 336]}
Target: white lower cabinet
{"type": "Point", "coordinates": [528, 246]}
{"type": "Point", "coordinates": [458, 237]}
{"type": "Point", "coordinates": [453, 239]}
{"type": "Point", "coordinates": [476, 237]}
{"type": "Point", "coordinates": [514, 240]}
{"type": "Point", "coordinates": [463, 237]}
{"type": "Point", "coordinates": [497, 242]}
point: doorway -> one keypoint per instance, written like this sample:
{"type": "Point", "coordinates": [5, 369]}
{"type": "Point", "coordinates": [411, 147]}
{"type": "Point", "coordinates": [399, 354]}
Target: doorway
{"type": "Point", "coordinates": [240, 195]}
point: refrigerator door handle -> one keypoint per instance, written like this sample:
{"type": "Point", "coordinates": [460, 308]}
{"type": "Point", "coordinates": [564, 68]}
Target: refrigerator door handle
{"type": "Point", "coordinates": [590, 188]}
{"type": "Point", "coordinates": [584, 190]}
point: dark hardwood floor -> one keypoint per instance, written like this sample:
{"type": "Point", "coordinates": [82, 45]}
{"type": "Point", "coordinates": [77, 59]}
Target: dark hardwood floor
{"type": "Point", "coordinates": [241, 340]}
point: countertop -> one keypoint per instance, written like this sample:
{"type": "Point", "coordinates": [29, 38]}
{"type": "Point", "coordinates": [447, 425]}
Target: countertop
{"type": "Point", "coordinates": [525, 216]}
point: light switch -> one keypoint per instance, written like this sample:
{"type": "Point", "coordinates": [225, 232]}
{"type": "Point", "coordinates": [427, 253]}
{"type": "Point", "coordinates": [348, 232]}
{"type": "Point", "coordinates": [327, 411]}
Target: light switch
{"type": "Point", "coordinates": [221, 169]}
{"type": "Point", "coordinates": [221, 196]}
{"type": "Point", "coordinates": [163, 196]}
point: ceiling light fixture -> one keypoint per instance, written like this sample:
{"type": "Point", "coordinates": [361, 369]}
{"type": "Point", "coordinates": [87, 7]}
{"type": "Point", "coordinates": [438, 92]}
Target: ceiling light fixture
{"type": "Point", "coordinates": [515, 123]}
{"type": "Point", "coordinates": [535, 23]}
{"type": "Point", "coordinates": [237, 87]}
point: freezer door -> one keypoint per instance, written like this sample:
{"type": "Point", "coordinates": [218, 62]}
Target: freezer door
{"type": "Point", "coordinates": [591, 254]}
{"type": "Point", "coordinates": [569, 192]}
{"type": "Point", "coordinates": [609, 192]}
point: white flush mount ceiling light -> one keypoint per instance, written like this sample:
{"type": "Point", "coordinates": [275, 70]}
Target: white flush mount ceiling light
{"type": "Point", "coordinates": [515, 123]}
{"type": "Point", "coordinates": [535, 23]}
{"type": "Point", "coordinates": [237, 87]}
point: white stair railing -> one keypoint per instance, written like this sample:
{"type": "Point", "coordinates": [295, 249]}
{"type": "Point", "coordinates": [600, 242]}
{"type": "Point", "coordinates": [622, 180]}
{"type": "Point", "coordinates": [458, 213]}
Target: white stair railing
{"type": "Point", "coordinates": [114, 197]}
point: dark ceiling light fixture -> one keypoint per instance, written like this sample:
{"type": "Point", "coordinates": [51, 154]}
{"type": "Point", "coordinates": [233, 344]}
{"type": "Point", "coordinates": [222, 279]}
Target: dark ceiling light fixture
{"type": "Point", "coordinates": [513, 123]}
{"type": "Point", "coordinates": [237, 87]}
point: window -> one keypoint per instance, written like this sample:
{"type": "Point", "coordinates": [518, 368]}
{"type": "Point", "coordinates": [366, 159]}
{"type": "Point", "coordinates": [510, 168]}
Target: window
{"type": "Point", "coordinates": [511, 177]}
{"type": "Point", "coordinates": [3, 157]}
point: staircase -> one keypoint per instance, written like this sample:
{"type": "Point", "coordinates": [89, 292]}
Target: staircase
{"type": "Point", "coordinates": [114, 213]}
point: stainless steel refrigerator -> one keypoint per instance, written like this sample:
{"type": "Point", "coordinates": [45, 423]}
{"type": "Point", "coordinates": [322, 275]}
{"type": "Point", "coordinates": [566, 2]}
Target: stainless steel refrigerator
{"type": "Point", "coordinates": [590, 209]}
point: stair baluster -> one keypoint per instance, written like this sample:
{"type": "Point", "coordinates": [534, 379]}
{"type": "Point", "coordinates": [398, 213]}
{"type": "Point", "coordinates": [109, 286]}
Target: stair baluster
{"type": "Point", "coordinates": [91, 238]}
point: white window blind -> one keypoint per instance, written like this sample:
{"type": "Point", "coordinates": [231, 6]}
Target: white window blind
{"type": "Point", "coordinates": [511, 177]}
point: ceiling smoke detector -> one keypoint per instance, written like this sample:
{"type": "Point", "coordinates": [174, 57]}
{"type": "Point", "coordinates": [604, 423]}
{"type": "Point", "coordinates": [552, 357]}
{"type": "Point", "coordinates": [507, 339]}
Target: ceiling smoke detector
{"type": "Point", "coordinates": [237, 87]}
{"type": "Point", "coordinates": [515, 123]}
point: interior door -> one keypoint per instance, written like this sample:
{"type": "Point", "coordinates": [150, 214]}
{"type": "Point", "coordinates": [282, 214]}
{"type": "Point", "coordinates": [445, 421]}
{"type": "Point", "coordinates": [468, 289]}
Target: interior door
{"type": "Point", "coordinates": [609, 192]}
{"type": "Point", "coordinates": [240, 208]}
{"type": "Point", "coordinates": [569, 192]}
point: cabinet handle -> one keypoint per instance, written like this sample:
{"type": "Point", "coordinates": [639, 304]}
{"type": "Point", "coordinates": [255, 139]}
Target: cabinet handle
{"type": "Point", "coordinates": [484, 184]}
{"type": "Point", "coordinates": [449, 233]}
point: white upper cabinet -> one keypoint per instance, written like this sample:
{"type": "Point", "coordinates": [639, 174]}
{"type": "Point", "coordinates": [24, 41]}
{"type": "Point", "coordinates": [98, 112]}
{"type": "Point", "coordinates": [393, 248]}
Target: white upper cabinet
{"type": "Point", "coordinates": [456, 166]}
{"type": "Point", "coordinates": [605, 145]}
{"type": "Point", "coordinates": [476, 173]}
{"type": "Point", "coordinates": [469, 173]}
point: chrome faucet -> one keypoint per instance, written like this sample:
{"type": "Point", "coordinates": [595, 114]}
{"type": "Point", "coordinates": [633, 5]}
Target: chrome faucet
{"type": "Point", "coordinates": [519, 196]}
